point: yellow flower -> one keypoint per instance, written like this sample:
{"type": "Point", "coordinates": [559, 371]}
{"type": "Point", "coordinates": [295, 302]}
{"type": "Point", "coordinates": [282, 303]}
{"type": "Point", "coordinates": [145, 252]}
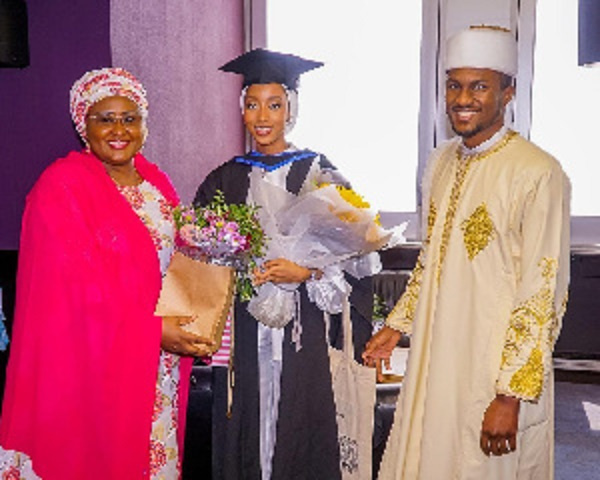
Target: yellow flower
{"type": "Point", "coordinates": [349, 195]}
{"type": "Point", "coordinates": [354, 200]}
{"type": "Point", "coordinates": [352, 197]}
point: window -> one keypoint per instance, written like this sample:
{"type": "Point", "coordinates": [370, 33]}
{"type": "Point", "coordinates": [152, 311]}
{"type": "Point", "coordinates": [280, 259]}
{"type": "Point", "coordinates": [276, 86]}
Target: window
{"type": "Point", "coordinates": [565, 102]}
{"type": "Point", "coordinates": [362, 109]}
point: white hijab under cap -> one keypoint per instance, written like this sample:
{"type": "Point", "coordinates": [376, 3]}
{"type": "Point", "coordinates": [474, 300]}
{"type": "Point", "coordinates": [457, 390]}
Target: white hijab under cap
{"type": "Point", "coordinates": [483, 47]}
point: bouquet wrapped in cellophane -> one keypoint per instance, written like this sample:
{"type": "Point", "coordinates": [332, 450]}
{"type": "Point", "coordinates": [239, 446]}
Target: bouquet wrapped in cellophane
{"type": "Point", "coordinates": [329, 225]}
{"type": "Point", "coordinates": [217, 247]}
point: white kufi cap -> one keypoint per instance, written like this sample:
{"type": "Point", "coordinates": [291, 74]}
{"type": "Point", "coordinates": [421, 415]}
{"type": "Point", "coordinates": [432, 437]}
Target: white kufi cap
{"type": "Point", "coordinates": [483, 47]}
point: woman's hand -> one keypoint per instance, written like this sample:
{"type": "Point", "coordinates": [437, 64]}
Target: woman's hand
{"type": "Point", "coordinates": [176, 340]}
{"type": "Point", "coordinates": [280, 270]}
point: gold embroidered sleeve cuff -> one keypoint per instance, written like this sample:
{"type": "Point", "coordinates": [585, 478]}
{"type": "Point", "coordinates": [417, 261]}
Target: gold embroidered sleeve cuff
{"type": "Point", "coordinates": [396, 321]}
{"type": "Point", "coordinates": [526, 382]}
{"type": "Point", "coordinates": [403, 314]}
{"type": "Point", "coordinates": [533, 328]}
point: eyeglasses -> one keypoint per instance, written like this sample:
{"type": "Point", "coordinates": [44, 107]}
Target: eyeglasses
{"type": "Point", "coordinates": [110, 120]}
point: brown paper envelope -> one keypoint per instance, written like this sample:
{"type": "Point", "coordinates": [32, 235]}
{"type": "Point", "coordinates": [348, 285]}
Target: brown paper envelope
{"type": "Point", "coordinates": [204, 291]}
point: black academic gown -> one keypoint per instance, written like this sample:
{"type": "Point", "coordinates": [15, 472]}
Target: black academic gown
{"type": "Point", "coordinates": [306, 446]}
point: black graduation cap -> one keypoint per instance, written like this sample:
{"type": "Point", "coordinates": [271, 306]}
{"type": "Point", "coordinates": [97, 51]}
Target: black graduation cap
{"type": "Point", "coordinates": [264, 66]}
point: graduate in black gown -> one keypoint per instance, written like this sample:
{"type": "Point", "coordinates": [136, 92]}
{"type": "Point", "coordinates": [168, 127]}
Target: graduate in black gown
{"type": "Point", "coordinates": [282, 423]}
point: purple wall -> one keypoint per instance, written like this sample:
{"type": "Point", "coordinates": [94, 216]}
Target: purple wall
{"type": "Point", "coordinates": [66, 38]}
{"type": "Point", "coordinates": [176, 48]}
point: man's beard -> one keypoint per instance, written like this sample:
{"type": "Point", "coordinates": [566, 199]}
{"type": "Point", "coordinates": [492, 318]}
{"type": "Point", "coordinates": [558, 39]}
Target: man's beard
{"type": "Point", "coordinates": [469, 133]}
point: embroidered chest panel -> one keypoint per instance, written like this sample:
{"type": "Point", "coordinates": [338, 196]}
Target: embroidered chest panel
{"type": "Point", "coordinates": [478, 231]}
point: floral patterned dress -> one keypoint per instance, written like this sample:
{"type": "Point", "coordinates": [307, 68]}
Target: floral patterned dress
{"type": "Point", "coordinates": [157, 215]}
{"type": "Point", "coordinates": [16, 466]}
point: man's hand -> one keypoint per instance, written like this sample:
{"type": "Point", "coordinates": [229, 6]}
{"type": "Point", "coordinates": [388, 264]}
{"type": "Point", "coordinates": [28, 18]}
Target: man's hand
{"type": "Point", "coordinates": [499, 426]}
{"type": "Point", "coordinates": [379, 349]}
{"type": "Point", "coordinates": [176, 340]}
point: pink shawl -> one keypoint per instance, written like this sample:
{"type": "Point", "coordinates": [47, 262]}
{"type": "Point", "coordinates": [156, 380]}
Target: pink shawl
{"type": "Point", "coordinates": [84, 358]}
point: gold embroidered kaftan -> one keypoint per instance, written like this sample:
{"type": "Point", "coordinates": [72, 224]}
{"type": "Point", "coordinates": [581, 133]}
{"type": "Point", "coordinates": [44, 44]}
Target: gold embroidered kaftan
{"type": "Point", "coordinates": [487, 298]}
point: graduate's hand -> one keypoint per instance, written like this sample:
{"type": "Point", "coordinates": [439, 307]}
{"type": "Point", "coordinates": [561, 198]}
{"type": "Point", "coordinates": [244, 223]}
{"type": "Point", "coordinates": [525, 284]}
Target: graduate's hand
{"type": "Point", "coordinates": [379, 348]}
{"type": "Point", "coordinates": [499, 426]}
{"type": "Point", "coordinates": [176, 340]}
{"type": "Point", "coordinates": [280, 270]}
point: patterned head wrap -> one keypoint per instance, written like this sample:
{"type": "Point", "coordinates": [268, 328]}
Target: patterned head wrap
{"type": "Point", "coordinates": [96, 85]}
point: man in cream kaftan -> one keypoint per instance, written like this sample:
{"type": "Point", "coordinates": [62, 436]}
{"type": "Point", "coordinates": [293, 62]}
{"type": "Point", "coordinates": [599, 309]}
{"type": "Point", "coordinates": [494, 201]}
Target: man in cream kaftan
{"type": "Point", "coordinates": [488, 293]}
{"type": "Point", "coordinates": [485, 301]}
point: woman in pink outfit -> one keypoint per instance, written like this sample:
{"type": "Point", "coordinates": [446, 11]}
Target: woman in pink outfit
{"type": "Point", "coordinates": [96, 383]}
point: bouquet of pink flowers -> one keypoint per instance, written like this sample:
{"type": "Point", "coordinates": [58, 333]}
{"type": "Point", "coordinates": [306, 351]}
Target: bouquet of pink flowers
{"type": "Point", "coordinates": [222, 234]}
{"type": "Point", "coordinates": [217, 248]}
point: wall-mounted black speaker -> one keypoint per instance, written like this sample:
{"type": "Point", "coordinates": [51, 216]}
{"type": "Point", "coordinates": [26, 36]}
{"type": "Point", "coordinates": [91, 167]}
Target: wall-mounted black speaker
{"type": "Point", "coordinates": [14, 43]}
